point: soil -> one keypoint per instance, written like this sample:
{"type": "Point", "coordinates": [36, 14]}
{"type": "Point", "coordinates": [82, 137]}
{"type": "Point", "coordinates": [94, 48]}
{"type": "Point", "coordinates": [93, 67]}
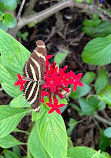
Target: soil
{"type": "Point", "coordinates": [62, 31]}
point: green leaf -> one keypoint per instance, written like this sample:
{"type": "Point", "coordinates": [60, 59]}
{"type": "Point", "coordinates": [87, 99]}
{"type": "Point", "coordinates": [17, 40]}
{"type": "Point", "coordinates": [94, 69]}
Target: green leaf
{"type": "Point", "coordinates": [100, 29]}
{"type": "Point", "coordinates": [35, 145]}
{"type": "Point", "coordinates": [93, 101]}
{"type": "Point", "coordinates": [105, 95]}
{"type": "Point", "coordinates": [53, 135]}
{"type": "Point", "coordinates": [98, 51]}
{"type": "Point", "coordinates": [88, 77]}
{"type": "Point", "coordinates": [88, 1]}
{"type": "Point", "coordinates": [89, 105]}
{"type": "Point", "coordinates": [107, 132]}
{"type": "Point", "coordinates": [96, 155]}
{"type": "Point", "coordinates": [9, 141]}
{"type": "Point", "coordinates": [43, 109]}
{"type": "Point", "coordinates": [11, 90]}
{"type": "Point", "coordinates": [9, 118]}
{"type": "Point", "coordinates": [9, 20]}
{"type": "Point", "coordinates": [10, 154]}
{"type": "Point", "coordinates": [102, 81]}
{"type": "Point", "coordinates": [104, 141]}
{"type": "Point", "coordinates": [62, 101]}
{"type": "Point", "coordinates": [76, 108]}
{"type": "Point", "coordinates": [71, 124]}
{"type": "Point", "coordinates": [101, 105]}
{"type": "Point", "coordinates": [60, 57]}
{"type": "Point", "coordinates": [3, 27]}
{"type": "Point", "coordinates": [10, 5]}
{"type": "Point", "coordinates": [13, 54]}
{"type": "Point", "coordinates": [16, 150]}
{"type": "Point", "coordinates": [7, 82]}
{"type": "Point", "coordinates": [1, 157]}
{"type": "Point", "coordinates": [31, 24]}
{"type": "Point", "coordinates": [1, 15]}
{"type": "Point", "coordinates": [83, 152]}
{"type": "Point", "coordinates": [18, 1]}
{"type": "Point", "coordinates": [95, 21]}
{"type": "Point", "coordinates": [36, 116]}
{"type": "Point", "coordinates": [2, 6]}
{"type": "Point", "coordinates": [29, 155]}
{"type": "Point", "coordinates": [24, 36]}
{"type": "Point", "coordinates": [106, 154]}
{"type": "Point", "coordinates": [85, 107]}
{"type": "Point", "coordinates": [81, 91]}
{"type": "Point", "coordinates": [20, 101]}
{"type": "Point", "coordinates": [18, 130]}
{"type": "Point", "coordinates": [70, 143]}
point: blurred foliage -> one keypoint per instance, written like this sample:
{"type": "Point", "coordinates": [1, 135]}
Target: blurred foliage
{"type": "Point", "coordinates": [96, 28]}
{"type": "Point", "coordinates": [7, 20]}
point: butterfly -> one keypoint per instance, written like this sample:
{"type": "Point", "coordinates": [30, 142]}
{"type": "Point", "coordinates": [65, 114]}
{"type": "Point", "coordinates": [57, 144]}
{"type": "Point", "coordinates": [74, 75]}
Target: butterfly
{"type": "Point", "coordinates": [33, 73]}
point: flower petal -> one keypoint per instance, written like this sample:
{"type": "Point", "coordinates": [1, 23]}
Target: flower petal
{"type": "Point", "coordinates": [42, 100]}
{"type": "Point", "coordinates": [17, 83]}
{"type": "Point", "coordinates": [58, 111]}
{"type": "Point", "coordinates": [51, 110]}
{"type": "Point", "coordinates": [47, 77]}
{"type": "Point", "coordinates": [52, 88]}
{"type": "Point", "coordinates": [55, 101]}
{"type": "Point", "coordinates": [19, 77]}
{"type": "Point", "coordinates": [61, 105]}
{"type": "Point", "coordinates": [44, 93]}
{"type": "Point", "coordinates": [50, 104]}
{"type": "Point", "coordinates": [74, 87]}
{"type": "Point", "coordinates": [80, 84]}
{"type": "Point", "coordinates": [21, 87]}
{"type": "Point", "coordinates": [64, 68]}
{"type": "Point", "coordinates": [78, 77]}
{"type": "Point", "coordinates": [49, 56]}
{"type": "Point", "coordinates": [72, 74]}
{"type": "Point", "coordinates": [24, 81]}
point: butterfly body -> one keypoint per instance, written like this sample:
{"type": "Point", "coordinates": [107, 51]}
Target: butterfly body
{"type": "Point", "coordinates": [33, 73]}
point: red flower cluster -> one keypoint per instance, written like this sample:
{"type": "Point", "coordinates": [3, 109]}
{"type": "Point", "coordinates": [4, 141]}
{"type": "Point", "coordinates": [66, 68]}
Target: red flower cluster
{"type": "Point", "coordinates": [56, 81]}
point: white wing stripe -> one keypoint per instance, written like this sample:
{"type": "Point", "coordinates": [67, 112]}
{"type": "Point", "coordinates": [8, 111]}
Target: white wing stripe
{"type": "Point", "coordinates": [43, 46]}
{"type": "Point", "coordinates": [27, 87]}
{"type": "Point", "coordinates": [34, 98]}
{"type": "Point", "coordinates": [40, 55]}
{"type": "Point", "coordinates": [26, 70]}
{"type": "Point", "coordinates": [32, 90]}
{"type": "Point", "coordinates": [33, 73]}
{"type": "Point", "coordinates": [39, 72]}
{"type": "Point", "coordinates": [38, 67]}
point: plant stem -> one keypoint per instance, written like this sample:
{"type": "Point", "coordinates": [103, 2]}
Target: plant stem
{"type": "Point", "coordinates": [102, 119]}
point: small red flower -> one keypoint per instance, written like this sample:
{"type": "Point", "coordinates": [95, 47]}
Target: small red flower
{"type": "Point", "coordinates": [64, 77]}
{"type": "Point", "coordinates": [47, 62]}
{"type": "Point", "coordinates": [75, 80]}
{"type": "Point", "coordinates": [52, 69]}
{"type": "Point", "coordinates": [55, 107]}
{"type": "Point", "coordinates": [44, 93]}
{"type": "Point", "coordinates": [52, 81]}
{"type": "Point", "coordinates": [20, 82]}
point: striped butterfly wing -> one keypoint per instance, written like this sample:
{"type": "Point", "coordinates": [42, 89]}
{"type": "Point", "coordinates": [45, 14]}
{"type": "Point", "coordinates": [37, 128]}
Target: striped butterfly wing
{"type": "Point", "coordinates": [33, 72]}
